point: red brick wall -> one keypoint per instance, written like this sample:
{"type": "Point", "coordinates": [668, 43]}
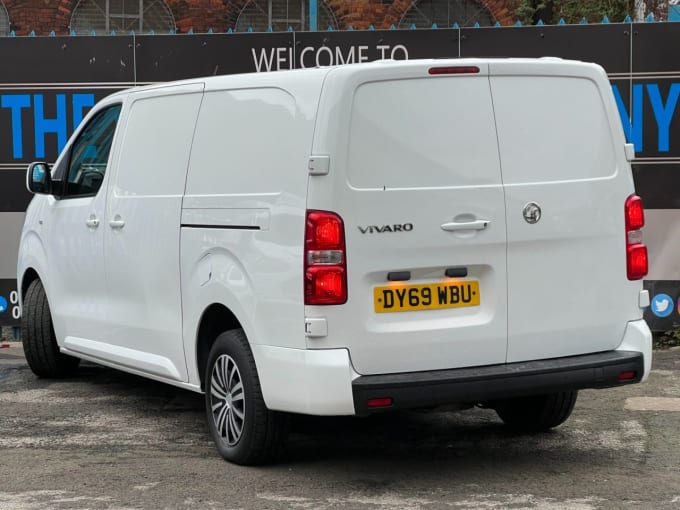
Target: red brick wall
{"type": "Point", "coordinates": [43, 16]}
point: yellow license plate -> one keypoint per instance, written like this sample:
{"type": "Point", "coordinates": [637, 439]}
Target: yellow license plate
{"type": "Point", "coordinates": [431, 296]}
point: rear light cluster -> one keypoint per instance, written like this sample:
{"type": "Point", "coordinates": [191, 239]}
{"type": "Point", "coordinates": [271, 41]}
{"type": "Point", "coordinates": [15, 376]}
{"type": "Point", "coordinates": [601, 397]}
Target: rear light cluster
{"type": "Point", "coordinates": [325, 260]}
{"type": "Point", "coordinates": [636, 252]}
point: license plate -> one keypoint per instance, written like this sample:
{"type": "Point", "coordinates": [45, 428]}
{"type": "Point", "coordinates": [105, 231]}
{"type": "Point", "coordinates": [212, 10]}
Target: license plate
{"type": "Point", "coordinates": [430, 296]}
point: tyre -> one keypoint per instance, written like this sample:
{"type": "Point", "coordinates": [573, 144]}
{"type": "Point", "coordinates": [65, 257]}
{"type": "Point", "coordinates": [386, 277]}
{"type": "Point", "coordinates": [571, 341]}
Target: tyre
{"type": "Point", "coordinates": [37, 336]}
{"type": "Point", "coordinates": [244, 430]}
{"type": "Point", "coordinates": [537, 413]}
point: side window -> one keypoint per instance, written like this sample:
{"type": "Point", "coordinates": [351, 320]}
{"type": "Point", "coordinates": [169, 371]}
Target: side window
{"type": "Point", "coordinates": [90, 154]}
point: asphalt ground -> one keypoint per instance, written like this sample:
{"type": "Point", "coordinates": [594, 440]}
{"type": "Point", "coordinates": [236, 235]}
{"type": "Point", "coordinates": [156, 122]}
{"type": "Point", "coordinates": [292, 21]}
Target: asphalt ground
{"type": "Point", "coordinates": [110, 440]}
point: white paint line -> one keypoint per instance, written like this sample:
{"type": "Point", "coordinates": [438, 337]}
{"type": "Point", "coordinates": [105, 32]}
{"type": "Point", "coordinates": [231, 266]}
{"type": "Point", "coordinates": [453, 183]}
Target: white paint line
{"type": "Point", "coordinates": [282, 499]}
{"type": "Point", "coordinates": [524, 502]}
{"type": "Point", "coordinates": [633, 429]}
{"type": "Point", "coordinates": [145, 487]}
{"type": "Point", "coordinates": [652, 404]}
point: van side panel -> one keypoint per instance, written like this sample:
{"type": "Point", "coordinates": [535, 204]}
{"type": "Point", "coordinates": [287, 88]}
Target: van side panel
{"type": "Point", "coordinates": [567, 288]}
{"type": "Point", "coordinates": [142, 232]}
{"type": "Point", "coordinates": [243, 212]}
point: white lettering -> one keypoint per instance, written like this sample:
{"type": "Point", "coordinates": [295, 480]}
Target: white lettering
{"type": "Point", "coordinates": [382, 48]}
{"type": "Point", "coordinates": [362, 55]}
{"type": "Point", "coordinates": [330, 56]}
{"type": "Point", "coordinates": [401, 48]}
{"type": "Point", "coordinates": [14, 297]}
{"type": "Point", "coordinates": [281, 57]}
{"type": "Point", "coordinates": [302, 55]}
{"type": "Point", "coordinates": [339, 58]}
{"type": "Point", "coordinates": [263, 60]}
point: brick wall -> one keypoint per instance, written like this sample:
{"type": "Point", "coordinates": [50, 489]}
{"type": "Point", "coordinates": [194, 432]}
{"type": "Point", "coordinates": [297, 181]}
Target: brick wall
{"type": "Point", "coordinates": [43, 16]}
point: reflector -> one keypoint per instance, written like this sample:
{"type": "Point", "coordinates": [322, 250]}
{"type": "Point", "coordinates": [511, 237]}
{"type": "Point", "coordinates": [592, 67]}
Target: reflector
{"type": "Point", "coordinates": [379, 402]}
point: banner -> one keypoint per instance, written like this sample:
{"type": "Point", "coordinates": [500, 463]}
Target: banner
{"type": "Point", "coordinates": [49, 84]}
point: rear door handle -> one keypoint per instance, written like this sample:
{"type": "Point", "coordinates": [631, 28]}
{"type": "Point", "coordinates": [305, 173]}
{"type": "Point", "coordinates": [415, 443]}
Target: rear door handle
{"type": "Point", "coordinates": [455, 226]}
{"type": "Point", "coordinates": [117, 223]}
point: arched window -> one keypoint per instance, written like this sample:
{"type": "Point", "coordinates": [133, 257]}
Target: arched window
{"type": "Point", "coordinates": [105, 16]}
{"type": "Point", "coordinates": [281, 14]}
{"type": "Point", "coordinates": [4, 21]}
{"type": "Point", "coordinates": [445, 13]}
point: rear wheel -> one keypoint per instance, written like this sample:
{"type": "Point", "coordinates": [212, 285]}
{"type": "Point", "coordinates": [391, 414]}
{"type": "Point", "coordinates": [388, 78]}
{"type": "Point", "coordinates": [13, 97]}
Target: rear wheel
{"type": "Point", "coordinates": [537, 413]}
{"type": "Point", "coordinates": [244, 430]}
{"type": "Point", "coordinates": [38, 338]}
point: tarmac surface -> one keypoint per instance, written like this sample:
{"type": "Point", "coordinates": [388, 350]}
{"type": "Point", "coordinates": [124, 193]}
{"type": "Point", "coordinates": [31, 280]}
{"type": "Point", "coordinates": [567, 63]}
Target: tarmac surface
{"type": "Point", "coordinates": [109, 440]}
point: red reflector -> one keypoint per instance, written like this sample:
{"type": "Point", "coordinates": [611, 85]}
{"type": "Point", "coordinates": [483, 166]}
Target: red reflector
{"type": "Point", "coordinates": [379, 402]}
{"type": "Point", "coordinates": [637, 262]}
{"type": "Point", "coordinates": [627, 376]}
{"type": "Point", "coordinates": [454, 70]}
{"type": "Point", "coordinates": [635, 213]}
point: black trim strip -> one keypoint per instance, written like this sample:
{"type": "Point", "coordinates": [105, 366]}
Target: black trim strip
{"type": "Point", "coordinates": [488, 383]}
{"type": "Point", "coordinates": [221, 227]}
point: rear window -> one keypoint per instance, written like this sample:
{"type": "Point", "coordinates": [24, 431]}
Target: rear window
{"type": "Point", "coordinates": [551, 129]}
{"type": "Point", "coordinates": [420, 133]}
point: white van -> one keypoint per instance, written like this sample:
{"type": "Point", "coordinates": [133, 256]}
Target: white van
{"type": "Point", "coordinates": [345, 241]}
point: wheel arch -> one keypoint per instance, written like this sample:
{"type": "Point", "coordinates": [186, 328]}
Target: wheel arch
{"type": "Point", "coordinates": [215, 320]}
{"type": "Point", "coordinates": [28, 277]}
{"type": "Point", "coordinates": [31, 262]}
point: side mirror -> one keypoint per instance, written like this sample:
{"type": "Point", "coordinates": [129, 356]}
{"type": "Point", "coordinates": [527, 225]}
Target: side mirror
{"type": "Point", "coordinates": [38, 178]}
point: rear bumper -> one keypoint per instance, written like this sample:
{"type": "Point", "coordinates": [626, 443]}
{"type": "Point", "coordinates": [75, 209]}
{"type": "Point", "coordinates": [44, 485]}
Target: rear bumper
{"type": "Point", "coordinates": [324, 382]}
{"type": "Point", "coordinates": [479, 384]}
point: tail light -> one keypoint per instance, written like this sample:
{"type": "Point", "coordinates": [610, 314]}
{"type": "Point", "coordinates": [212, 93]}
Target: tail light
{"type": "Point", "coordinates": [325, 261]}
{"type": "Point", "coordinates": [637, 264]}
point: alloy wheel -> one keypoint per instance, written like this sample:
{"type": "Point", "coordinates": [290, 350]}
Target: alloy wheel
{"type": "Point", "coordinates": [227, 399]}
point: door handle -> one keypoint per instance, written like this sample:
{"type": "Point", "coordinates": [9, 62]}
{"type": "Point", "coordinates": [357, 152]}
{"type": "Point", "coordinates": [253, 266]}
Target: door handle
{"type": "Point", "coordinates": [92, 222]}
{"type": "Point", "coordinates": [117, 222]}
{"type": "Point", "coordinates": [455, 226]}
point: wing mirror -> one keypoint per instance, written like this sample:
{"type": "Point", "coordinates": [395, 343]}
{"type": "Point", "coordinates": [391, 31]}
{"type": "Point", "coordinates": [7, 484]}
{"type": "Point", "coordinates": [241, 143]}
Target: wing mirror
{"type": "Point", "coordinates": [38, 178]}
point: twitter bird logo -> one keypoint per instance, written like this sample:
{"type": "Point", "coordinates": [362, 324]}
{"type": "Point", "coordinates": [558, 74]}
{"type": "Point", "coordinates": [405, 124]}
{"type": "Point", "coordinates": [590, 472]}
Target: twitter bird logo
{"type": "Point", "coordinates": [662, 305]}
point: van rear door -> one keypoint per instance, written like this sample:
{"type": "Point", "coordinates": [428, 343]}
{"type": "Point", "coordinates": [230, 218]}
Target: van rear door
{"type": "Point", "coordinates": [414, 173]}
{"type": "Point", "coordinates": [562, 149]}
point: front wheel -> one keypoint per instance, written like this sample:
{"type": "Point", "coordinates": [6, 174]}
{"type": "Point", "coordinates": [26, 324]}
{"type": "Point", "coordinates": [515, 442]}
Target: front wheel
{"type": "Point", "coordinates": [38, 338]}
{"type": "Point", "coordinates": [244, 430]}
{"type": "Point", "coordinates": [537, 413]}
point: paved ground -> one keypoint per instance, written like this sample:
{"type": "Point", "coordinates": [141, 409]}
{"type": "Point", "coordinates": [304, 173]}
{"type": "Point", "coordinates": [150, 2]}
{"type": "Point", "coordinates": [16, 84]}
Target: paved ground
{"type": "Point", "coordinates": [110, 440]}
